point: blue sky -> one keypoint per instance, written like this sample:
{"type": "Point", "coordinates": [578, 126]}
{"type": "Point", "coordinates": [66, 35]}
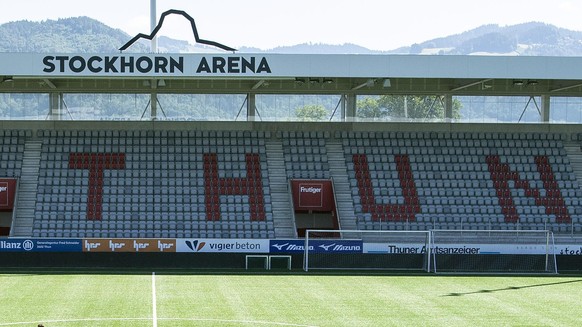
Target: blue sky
{"type": "Point", "coordinates": [375, 24]}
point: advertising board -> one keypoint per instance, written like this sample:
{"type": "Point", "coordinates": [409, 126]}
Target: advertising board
{"type": "Point", "coordinates": [222, 245]}
{"type": "Point", "coordinates": [128, 245]}
{"type": "Point", "coordinates": [40, 245]}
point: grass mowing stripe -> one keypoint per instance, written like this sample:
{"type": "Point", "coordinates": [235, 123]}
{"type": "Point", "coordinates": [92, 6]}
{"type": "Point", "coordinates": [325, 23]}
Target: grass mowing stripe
{"type": "Point", "coordinates": [374, 300]}
{"type": "Point", "coordinates": [154, 304]}
{"type": "Point", "coordinates": [42, 298]}
{"type": "Point", "coordinates": [108, 321]}
{"type": "Point", "coordinates": [78, 300]}
{"type": "Point", "coordinates": [70, 321]}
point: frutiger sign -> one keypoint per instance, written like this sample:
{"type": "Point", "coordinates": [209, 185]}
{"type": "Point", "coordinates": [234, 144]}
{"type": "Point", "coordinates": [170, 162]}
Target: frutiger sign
{"type": "Point", "coordinates": [129, 245]}
{"type": "Point", "coordinates": [7, 193]}
{"type": "Point", "coordinates": [312, 195]}
{"type": "Point", "coordinates": [310, 189]}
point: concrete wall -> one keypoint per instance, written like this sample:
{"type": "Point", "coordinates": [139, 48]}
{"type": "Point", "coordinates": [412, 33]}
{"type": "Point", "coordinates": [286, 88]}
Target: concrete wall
{"type": "Point", "coordinates": [330, 127]}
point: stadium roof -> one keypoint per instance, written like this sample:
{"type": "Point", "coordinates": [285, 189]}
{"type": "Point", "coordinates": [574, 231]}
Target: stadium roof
{"type": "Point", "coordinates": [290, 74]}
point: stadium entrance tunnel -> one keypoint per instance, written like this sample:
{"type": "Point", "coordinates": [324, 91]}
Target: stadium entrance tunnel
{"type": "Point", "coordinates": [314, 205]}
{"type": "Point", "coordinates": [8, 189]}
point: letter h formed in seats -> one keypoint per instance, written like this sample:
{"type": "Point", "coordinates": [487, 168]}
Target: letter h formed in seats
{"type": "Point", "coordinates": [215, 186]}
{"type": "Point", "coordinates": [96, 163]}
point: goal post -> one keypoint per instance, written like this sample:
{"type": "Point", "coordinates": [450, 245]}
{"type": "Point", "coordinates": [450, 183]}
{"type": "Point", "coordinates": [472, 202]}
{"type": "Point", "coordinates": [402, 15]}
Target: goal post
{"type": "Point", "coordinates": [493, 251]}
{"type": "Point", "coordinates": [366, 250]}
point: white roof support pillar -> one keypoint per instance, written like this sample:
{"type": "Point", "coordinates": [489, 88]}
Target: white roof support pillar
{"type": "Point", "coordinates": [545, 110]}
{"type": "Point", "coordinates": [154, 101]}
{"type": "Point", "coordinates": [56, 110]}
{"type": "Point", "coordinates": [448, 104]}
{"type": "Point", "coordinates": [349, 107]}
{"type": "Point", "coordinates": [251, 107]}
{"type": "Point", "coordinates": [343, 107]}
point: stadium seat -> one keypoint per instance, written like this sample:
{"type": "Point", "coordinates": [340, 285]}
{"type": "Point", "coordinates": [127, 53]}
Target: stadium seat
{"type": "Point", "coordinates": [160, 183]}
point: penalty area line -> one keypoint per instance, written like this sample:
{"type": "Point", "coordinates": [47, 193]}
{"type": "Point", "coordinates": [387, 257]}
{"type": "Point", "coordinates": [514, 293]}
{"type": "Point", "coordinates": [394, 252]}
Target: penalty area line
{"type": "Point", "coordinates": [222, 321]}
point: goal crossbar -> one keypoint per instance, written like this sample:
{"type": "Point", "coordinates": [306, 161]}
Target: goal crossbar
{"type": "Point", "coordinates": [493, 251]}
{"type": "Point", "coordinates": [438, 251]}
{"type": "Point", "coordinates": [367, 250]}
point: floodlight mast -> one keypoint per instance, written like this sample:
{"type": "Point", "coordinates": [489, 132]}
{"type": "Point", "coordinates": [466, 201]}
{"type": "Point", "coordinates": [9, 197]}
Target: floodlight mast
{"type": "Point", "coordinates": [154, 49]}
{"type": "Point", "coordinates": [153, 23]}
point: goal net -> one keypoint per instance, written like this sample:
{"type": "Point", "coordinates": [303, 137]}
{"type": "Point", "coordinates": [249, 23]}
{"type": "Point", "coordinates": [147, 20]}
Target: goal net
{"type": "Point", "coordinates": [367, 250]}
{"type": "Point", "coordinates": [493, 251]}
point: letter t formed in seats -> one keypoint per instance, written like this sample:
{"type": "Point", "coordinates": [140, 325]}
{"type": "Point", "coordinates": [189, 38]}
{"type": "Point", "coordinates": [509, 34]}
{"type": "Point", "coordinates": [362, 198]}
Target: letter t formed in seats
{"type": "Point", "coordinates": [96, 163]}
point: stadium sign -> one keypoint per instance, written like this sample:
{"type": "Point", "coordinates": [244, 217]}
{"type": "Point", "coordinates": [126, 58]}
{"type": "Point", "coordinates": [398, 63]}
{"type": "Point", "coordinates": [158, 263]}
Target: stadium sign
{"type": "Point", "coordinates": [40, 245]}
{"type": "Point", "coordinates": [335, 246]}
{"type": "Point", "coordinates": [271, 246]}
{"type": "Point", "coordinates": [129, 245]}
{"type": "Point", "coordinates": [16, 245]}
{"type": "Point", "coordinates": [84, 65]}
{"type": "Point", "coordinates": [222, 245]}
{"type": "Point", "coordinates": [571, 249]}
{"type": "Point", "coordinates": [464, 249]}
{"type": "Point", "coordinates": [288, 246]}
{"type": "Point", "coordinates": [233, 65]}
{"type": "Point", "coordinates": [312, 195]}
{"type": "Point", "coordinates": [285, 66]}
{"type": "Point", "coordinates": [7, 193]}
{"type": "Point", "coordinates": [112, 64]}
{"type": "Point", "coordinates": [316, 246]}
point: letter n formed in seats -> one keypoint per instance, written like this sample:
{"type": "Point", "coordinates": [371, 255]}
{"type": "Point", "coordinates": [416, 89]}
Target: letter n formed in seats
{"type": "Point", "coordinates": [552, 200]}
{"type": "Point", "coordinates": [215, 186]}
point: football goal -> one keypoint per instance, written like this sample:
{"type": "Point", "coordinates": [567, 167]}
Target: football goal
{"type": "Point", "coordinates": [493, 251]}
{"type": "Point", "coordinates": [367, 250]}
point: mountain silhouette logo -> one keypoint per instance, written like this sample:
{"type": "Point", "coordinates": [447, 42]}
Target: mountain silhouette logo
{"type": "Point", "coordinates": [195, 246]}
{"type": "Point", "coordinates": [159, 26]}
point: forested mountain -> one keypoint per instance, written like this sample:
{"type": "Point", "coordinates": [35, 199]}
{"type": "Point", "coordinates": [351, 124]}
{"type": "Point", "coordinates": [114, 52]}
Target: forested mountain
{"type": "Point", "coordinates": [315, 48]}
{"type": "Point", "coordinates": [528, 39]}
{"type": "Point", "coordinates": [80, 34]}
{"type": "Point", "coordinates": [84, 34]}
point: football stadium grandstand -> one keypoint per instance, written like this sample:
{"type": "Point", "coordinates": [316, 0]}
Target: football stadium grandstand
{"type": "Point", "coordinates": [201, 183]}
{"type": "Point", "coordinates": [254, 177]}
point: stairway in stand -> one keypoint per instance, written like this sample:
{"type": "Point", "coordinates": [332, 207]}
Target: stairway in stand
{"type": "Point", "coordinates": [280, 193]}
{"type": "Point", "coordinates": [27, 188]}
{"type": "Point", "coordinates": [341, 185]}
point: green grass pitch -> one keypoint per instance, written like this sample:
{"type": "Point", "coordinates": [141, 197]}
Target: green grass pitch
{"type": "Point", "coordinates": [174, 299]}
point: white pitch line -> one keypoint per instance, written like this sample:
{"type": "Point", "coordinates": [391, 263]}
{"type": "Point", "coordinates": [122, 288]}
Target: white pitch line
{"type": "Point", "coordinates": [154, 304]}
{"type": "Point", "coordinates": [223, 321]}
